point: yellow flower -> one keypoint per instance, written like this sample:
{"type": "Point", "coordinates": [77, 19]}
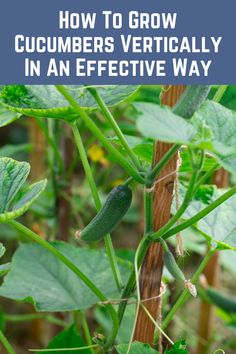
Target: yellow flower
{"type": "Point", "coordinates": [96, 154]}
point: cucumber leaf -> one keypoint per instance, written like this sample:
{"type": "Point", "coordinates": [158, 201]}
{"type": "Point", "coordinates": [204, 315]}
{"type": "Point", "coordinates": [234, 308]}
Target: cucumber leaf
{"type": "Point", "coordinates": [7, 117]}
{"type": "Point", "coordinates": [219, 226]}
{"type": "Point", "coordinates": [46, 101]}
{"type": "Point", "coordinates": [221, 122]}
{"type": "Point", "coordinates": [136, 348]}
{"type": "Point", "coordinates": [161, 123]}
{"type": "Point", "coordinates": [142, 348]}
{"type": "Point", "coordinates": [212, 128]}
{"type": "Point", "coordinates": [14, 201]}
{"type": "Point", "coordinates": [69, 338]}
{"type": "Point", "coordinates": [5, 268]}
{"type": "Point", "coordinates": [13, 174]}
{"type": "Point", "coordinates": [38, 276]}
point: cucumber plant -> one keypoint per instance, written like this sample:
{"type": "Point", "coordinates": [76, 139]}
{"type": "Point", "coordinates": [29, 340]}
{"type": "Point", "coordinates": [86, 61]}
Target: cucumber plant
{"type": "Point", "coordinates": [76, 276]}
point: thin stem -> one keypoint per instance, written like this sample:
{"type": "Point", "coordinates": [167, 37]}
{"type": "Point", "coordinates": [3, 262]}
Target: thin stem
{"type": "Point", "coordinates": [132, 171]}
{"type": "Point", "coordinates": [108, 243]}
{"type": "Point", "coordinates": [220, 93]}
{"type": "Point", "coordinates": [156, 324]}
{"type": "Point", "coordinates": [185, 294]}
{"type": "Point", "coordinates": [63, 349]}
{"type": "Point", "coordinates": [6, 344]}
{"type": "Point", "coordinates": [137, 272]}
{"type": "Point", "coordinates": [34, 237]}
{"type": "Point", "coordinates": [107, 114]}
{"type": "Point", "coordinates": [49, 136]}
{"type": "Point", "coordinates": [164, 160]}
{"type": "Point", "coordinates": [86, 330]}
{"type": "Point", "coordinates": [206, 175]}
{"type": "Point", "coordinates": [131, 281]}
{"type": "Point", "coordinates": [196, 217]}
{"type": "Point", "coordinates": [148, 212]}
{"type": "Point", "coordinates": [35, 316]}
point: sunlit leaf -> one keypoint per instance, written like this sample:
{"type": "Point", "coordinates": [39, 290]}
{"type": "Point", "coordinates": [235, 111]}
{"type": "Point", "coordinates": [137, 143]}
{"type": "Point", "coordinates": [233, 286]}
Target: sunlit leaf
{"type": "Point", "coordinates": [15, 201]}
{"type": "Point", "coordinates": [7, 117]}
{"type": "Point", "coordinates": [161, 123]}
{"type": "Point", "coordinates": [47, 101]}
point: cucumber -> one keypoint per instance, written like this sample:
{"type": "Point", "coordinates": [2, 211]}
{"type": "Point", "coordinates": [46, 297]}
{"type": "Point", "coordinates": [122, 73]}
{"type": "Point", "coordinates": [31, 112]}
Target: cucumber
{"type": "Point", "coordinates": [109, 217]}
{"type": "Point", "coordinates": [171, 264]}
{"type": "Point", "coordinates": [223, 301]}
{"type": "Point", "coordinates": [173, 267]}
{"type": "Point", "coordinates": [191, 100]}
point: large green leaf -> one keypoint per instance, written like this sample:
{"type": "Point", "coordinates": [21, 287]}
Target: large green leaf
{"type": "Point", "coordinates": [212, 128]}
{"type": "Point", "coordinates": [14, 201]}
{"type": "Point", "coordinates": [7, 117]}
{"type": "Point", "coordinates": [161, 123]}
{"type": "Point", "coordinates": [69, 338]}
{"type": "Point", "coordinates": [219, 226]}
{"type": "Point", "coordinates": [39, 276]}
{"type": "Point", "coordinates": [46, 101]}
{"type": "Point", "coordinates": [222, 123]}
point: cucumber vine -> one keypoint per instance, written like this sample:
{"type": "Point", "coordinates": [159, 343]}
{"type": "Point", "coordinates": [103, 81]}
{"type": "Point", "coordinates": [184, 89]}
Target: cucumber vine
{"type": "Point", "coordinates": [195, 115]}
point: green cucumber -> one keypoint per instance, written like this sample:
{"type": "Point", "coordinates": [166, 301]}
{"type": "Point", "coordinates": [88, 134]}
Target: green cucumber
{"type": "Point", "coordinates": [191, 100]}
{"type": "Point", "coordinates": [223, 301]}
{"type": "Point", "coordinates": [109, 217]}
{"type": "Point", "coordinates": [171, 264]}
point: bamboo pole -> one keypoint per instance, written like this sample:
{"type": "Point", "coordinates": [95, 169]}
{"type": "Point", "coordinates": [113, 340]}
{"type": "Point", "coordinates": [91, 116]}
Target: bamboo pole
{"type": "Point", "coordinates": [212, 274]}
{"type": "Point", "coordinates": [152, 267]}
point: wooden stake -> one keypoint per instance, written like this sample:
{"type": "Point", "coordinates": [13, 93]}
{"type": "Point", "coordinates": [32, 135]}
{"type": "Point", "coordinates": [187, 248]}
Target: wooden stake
{"type": "Point", "coordinates": [212, 273]}
{"type": "Point", "coordinates": [152, 267]}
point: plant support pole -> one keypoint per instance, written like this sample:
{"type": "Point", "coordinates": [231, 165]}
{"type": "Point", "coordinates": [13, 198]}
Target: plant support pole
{"type": "Point", "coordinates": [152, 267]}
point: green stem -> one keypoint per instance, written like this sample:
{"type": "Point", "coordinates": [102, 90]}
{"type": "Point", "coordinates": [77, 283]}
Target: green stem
{"type": "Point", "coordinates": [35, 316]}
{"type": "Point", "coordinates": [132, 171]}
{"type": "Point", "coordinates": [196, 217]}
{"type": "Point", "coordinates": [34, 237]}
{"type": "Point", "coordinates": [48, 133]}
{"type": "Point", "coordinates": [220, 93]}
{"type": "Point", "coordinates": [56, 350]}
{"type": "Point", "coordinates": [108, 243]}
{"type": "Point", "coordinates": [86, 330]}
{"type": "Point", "coordinates": [6, 344]}
{"type": "Point", "coordinates": [185, 294]}
{"type": "Point", "coordinates": [148, 211]}
{"type": "Point", "coordinates": [164, 160]}
{"type": "Point", "coordinates": [107, 114]}
{"type": "Point", "coordinates": [206, 176]}
{"type": "Point", "coordinates": [131, 281]}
